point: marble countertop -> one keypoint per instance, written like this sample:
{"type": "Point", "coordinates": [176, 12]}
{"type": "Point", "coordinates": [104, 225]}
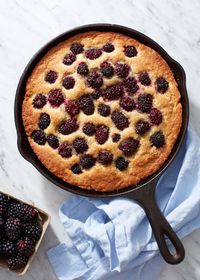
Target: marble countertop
{"type": "Point", "coordinates": [25, 27]}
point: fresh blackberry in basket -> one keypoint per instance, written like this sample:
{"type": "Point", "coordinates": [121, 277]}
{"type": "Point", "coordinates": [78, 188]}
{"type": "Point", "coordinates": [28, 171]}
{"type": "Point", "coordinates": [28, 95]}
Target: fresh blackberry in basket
{"type": "Point", "coordinates": [9, 248]}
{"type": "Point", "coordinates": [22, 211]}
{"type": "Point", "coordinates": [33, 231]}
{"type": "Point", "coordinates": [25, 246]}
{"type": "Point", "coordinates": [17, 262]}
{"type": "Point", "coordinates": [4, 200]}
{"type": "Point", "coordinates": [13, 228]}
{"type": "Point", "coordinates": [2, 222]}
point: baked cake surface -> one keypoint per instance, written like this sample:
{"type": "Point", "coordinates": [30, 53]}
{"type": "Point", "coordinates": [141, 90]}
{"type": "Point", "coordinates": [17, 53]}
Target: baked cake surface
{"type": "Point", "coordinates": [102, 111]}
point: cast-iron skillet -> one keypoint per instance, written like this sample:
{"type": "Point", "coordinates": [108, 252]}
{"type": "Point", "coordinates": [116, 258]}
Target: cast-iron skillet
{"type": "Point", "coordinates": [144, 192]}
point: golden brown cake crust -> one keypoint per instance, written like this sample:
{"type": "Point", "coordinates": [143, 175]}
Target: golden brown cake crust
{"type": "Point", "coordinates": [148, 159]}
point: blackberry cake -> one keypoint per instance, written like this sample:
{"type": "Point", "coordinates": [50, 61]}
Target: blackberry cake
{"type": "Point", "coordinates": [102, 111]}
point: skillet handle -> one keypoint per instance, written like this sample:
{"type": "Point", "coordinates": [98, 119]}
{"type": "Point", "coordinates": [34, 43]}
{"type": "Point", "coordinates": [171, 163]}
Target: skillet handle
{"type": "Point", "coordinates": [161, 228]}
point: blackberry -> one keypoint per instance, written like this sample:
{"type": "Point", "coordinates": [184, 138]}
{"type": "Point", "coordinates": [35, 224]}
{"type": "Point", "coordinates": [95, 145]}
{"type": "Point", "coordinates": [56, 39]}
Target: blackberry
{"type": "Point", "coordinates": [155, 116]}
{"type": "Point", "coordinates": [25, 246]}
{"type": "Point", "coordinates": [22, 211]}
{"type": "Point", "coordinates": [108, 48]}
{"type": "Point", "coordinates": [130, 84]}
{"type": "Point", "coordinates": [144, 79]}
{"type": "Point", "coordinates": [33, 231]}
{"type": "Point", "coordinates": [105, 157]}
{"type": "Point", "coordinates": [130, 51]}
{"type": "Point", "coordinates": [80, 145]}
{"type": "Point", "coordinates": [87, 161]}
{"type": "Point", "coordinates": [67, 127]}
{"type": "Point", "coordinates": [55, 97]}
{"type": "Point", "coordinates": [82, 69]}
{"type": "Point", "coordinates": [93, 53]}
{"type": "Point", "coordinates": [113, 92]}
{"type": "Point", "coordinates": [2, 222]}
{"type": "Point", "coordinates": [116, 137]}
{"type": "Point", "coordinates": [121, 163]}
{"type": "Point", "coordinates": [96, 94]}
{"type": "Point", "coordinates": [104, 110]}
{"type": "Point", "coordinates": [86, 104]}
{"type": "Point", "coordinates": [68, 82]}
{"type": "Point", "coordinates": [120, 120]}
{"type": "Point", "coordinates": [107, 70]}
{"type": "Point", "coordinates": [69, 59]}
{"type": "Point", "coordinates": [101, 133]}
{"type": "Point", "coordinates": [39, 101]}
{"type": "Point", "coordinates": [94, 80]}
{"type": "Point", "coordinates": [142, 127]}
{"type": "Point", "coordinates": [76, 48]}
{"type": "Point", "coordinates": [122, 69]}
{"type": "Point", "coordinates": [72, 108]}
{"type": "Point", "coordinates": [161, 85]}
{"type": "Point", "coordinates": [127, 103]}
{"type": "Point", "coordinates": [144, 102]}
{"type": "Point", "coordinates": [17, 262]}
{"type": "Point", "coordinates": [157, 139]}
{"type": "Point", "coordinates": [51, 77]}
{"type": "Point", "coordinates": [52, 140]}
{"type": "Point", "coordinates": [65, 150]}
{"type": "Point", "coordinates": [44, 121]}
{"type": "Point", "coordinates": [9, 248]}
{"type": "Point", "coordinates": [4, 200]}
{"type": "Point", "coordinates": [76, 168]}
{"type": "Point", "coordinates": [13, 228]}
{"type": "Point", "coordinates": [129, 146]}
{"type": "Point", "coordinates": [89, 129]}
{"type": "Point", "coordinates": [38, 137]}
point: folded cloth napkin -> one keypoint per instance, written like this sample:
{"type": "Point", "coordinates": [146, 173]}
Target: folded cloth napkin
{"type": "Point", "coordinates": [112, 238]}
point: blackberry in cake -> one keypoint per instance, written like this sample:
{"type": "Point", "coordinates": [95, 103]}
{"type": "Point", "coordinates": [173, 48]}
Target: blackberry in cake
{"type": "Point", "coordinates": [101, 103]}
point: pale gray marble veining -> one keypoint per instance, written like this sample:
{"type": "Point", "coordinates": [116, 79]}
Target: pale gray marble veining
{"type": "Point", "coordinates": [27, 25]}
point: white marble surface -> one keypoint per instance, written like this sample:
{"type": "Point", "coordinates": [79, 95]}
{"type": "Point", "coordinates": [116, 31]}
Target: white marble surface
{"type": "Point", "coordinates": [24, 27]}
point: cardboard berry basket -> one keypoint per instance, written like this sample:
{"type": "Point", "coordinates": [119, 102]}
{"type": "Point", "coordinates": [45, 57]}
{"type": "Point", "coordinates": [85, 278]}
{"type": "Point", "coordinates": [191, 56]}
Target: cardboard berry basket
{"type": "Point", "coordinates": [44, 219]}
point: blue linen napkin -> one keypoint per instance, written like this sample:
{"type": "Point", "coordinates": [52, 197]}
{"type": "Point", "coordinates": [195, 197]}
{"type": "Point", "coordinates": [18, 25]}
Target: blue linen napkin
{"type": "Point", "coordinates": [111, 238]}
